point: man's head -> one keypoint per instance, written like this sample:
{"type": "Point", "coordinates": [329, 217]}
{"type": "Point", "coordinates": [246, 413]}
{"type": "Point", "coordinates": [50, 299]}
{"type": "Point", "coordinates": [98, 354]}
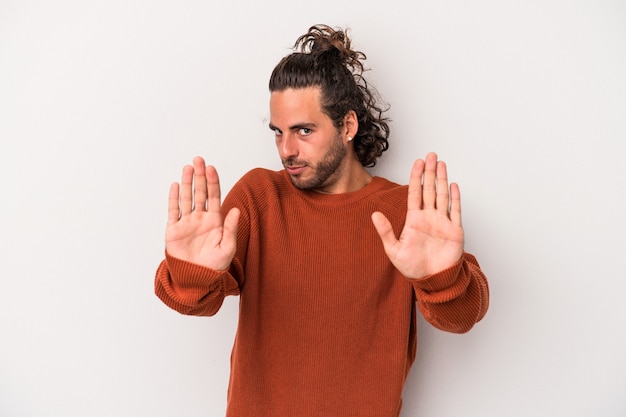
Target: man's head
{"type": "Point", "coordinates": [324, 60]}
{"type": "Point", "coordinates": [314, 152]}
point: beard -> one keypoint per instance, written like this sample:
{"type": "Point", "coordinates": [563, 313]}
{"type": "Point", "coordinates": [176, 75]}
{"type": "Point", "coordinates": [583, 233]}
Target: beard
{"type": "Point", "coordinates": [325, 172]}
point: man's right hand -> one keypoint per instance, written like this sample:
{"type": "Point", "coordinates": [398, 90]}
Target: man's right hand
{"type": "Point", "coordinates": [196, 231]}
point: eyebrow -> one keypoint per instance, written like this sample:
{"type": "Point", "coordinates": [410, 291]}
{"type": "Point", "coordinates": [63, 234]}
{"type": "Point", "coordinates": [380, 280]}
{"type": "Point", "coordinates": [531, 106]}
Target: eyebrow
{"type": "Point", "coordinates": [297, 126]}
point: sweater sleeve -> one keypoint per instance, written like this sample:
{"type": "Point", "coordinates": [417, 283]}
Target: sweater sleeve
{"type": "Point", "coordinates": [456, 298]}
{"type": "Point", "coordinates": [192, 289]}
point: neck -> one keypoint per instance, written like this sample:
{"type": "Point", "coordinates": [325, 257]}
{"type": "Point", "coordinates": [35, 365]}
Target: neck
{"type": "Point", "coordinates": [352, 176]}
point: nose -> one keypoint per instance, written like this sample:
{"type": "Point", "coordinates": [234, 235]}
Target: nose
{"type": "Point", "coordinates": [287, 145]}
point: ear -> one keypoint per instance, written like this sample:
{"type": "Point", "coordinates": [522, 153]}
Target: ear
{"type": "Point", "coordinates": [350, 125]}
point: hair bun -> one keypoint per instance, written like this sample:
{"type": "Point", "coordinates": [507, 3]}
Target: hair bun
{"type": "Point", "coordinates": [323, 39]}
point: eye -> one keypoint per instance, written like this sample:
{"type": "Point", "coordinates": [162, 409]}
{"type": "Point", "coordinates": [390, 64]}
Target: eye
{"type": "Point", "coordinates": [305, 131]}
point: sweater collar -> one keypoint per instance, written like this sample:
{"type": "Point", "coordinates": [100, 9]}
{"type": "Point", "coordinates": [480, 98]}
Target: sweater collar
{"type": "Point", "coordinates": [376, 184]}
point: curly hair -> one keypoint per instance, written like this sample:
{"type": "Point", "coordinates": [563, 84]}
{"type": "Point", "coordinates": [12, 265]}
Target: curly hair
{"type": "Point", "coordinates": [323, 58]}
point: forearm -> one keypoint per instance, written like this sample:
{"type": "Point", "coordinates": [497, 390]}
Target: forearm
{"type": "Point", "coordinates": [192, 289]}
{"type": "Point", "coordinates": [454, 299]}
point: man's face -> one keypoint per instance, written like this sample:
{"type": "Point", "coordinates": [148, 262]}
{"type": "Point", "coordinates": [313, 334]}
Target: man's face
{"type": "Point", "coordinates": [310, 147]}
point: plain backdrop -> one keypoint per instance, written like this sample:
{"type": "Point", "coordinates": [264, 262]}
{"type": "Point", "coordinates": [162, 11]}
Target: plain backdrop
{"type": "Point", "coordinates": [103, 102]}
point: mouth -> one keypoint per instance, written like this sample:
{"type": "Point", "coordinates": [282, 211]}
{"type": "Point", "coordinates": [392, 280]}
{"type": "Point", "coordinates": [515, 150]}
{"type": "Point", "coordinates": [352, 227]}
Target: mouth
{"type": "Point", "coordinates": [294, 170]}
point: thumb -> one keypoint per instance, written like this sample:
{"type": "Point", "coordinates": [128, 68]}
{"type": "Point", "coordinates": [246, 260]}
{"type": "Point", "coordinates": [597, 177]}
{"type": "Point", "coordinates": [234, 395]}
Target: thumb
{"type": "Point", "coordinates": [384, 229]}
{"type": "Point", "coordinates": [231, 225]}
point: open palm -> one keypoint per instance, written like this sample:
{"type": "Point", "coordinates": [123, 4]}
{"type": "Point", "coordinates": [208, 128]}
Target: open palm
{"type": "Point", "coordinates": [432, 238]}
{"type": "Point", "coordinates": [196, 231]}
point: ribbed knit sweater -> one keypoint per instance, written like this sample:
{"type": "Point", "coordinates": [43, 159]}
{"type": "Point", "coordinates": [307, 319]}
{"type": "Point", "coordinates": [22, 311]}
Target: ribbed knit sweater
{"type": "Point", "coordinates": [327, 325]}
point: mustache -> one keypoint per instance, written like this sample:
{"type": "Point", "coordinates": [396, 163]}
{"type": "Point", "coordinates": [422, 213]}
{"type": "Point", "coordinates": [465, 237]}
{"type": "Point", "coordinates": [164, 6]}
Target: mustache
{"type": "Point", "coordinates": [290, 162]}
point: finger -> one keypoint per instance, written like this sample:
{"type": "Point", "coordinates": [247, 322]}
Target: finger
{"type": "Point", "coordinates": [186, 202]}
{"type": "Point", "coordinates": [415, 186]}
{"type": "Point", "coordinates": [173, 211]}
{"type": "Point", "coordinates": [429, 189]}
{"type": "Point", "coordinates": [443, 198]}
{"type": "Point", "coordinates": [455, 204]}
{"type": "Point", "coordinates": [199, 185]}
{"type": "Point", "coordinates": [385, 231]}
{"type": "Point", "coordinates": [213, 187]}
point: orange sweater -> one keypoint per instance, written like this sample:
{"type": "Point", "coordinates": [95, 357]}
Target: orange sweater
{"type": "Point", "coordinates": [327, 325]}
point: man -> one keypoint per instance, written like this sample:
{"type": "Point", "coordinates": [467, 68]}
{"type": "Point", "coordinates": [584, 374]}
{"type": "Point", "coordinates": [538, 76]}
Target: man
{"type": "Point", "coordinates": [328, 294]}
